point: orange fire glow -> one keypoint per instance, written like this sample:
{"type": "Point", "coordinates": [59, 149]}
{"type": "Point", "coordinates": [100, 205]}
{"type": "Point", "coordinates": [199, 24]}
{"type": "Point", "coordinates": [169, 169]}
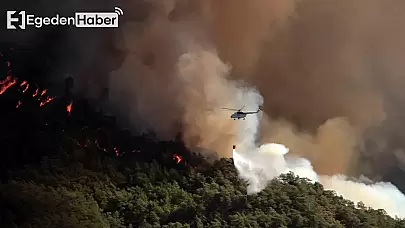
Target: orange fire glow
{"type": "Point", "coordinates": [89, 143]}
{"type": "Point", "coordinates": [44, 98]}
{"type": "Point", "coordinates": [10, 81]}
{"type": "Point", "coordinates": [26, 88]}
{"type": "Point", "coordinates": [36, 93]}
{"type": "Point", "coordinates": [177, 157]}
{"type": "Point", "coordinates": [69, 107]}
{"type": "Point", "coordinates": [47, 100]}
{"type": "Point", "coordinates": [7, 83]}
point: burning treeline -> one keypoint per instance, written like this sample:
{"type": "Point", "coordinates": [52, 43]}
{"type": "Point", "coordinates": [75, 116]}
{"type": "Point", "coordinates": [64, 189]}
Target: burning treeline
{"type": "Point", "coordinates": [41, 96]}
{"type": "Point", "coordinates": [43, 99]}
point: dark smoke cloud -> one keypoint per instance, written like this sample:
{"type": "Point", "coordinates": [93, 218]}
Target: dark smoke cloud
{"type": "Point", "coordinates": [337, 59]}
{"type": "Point", "coordinates": [330, 72]}
{"type": "Point", "coordinates": [174, 76]}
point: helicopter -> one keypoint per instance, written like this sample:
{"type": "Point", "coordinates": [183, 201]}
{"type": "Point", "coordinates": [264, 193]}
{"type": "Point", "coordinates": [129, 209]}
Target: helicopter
{"type": "Point", "coordinates": [241, 115]}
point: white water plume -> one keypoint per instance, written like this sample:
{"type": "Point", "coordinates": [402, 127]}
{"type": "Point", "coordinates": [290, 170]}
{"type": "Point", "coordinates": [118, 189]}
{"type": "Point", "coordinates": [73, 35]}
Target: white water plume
{"type": "Point", "coordinates": [259, 165]}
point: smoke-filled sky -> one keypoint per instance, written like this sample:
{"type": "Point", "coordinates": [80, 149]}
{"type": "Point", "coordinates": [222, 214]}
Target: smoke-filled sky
{"type": "Point", "coordinates": [329, 73]}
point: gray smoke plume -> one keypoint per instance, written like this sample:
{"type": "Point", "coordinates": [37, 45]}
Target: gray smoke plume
{"type": "Point", "coordinates": [175, 78]}
{"type": "Point", "coordinates": [328, 72]}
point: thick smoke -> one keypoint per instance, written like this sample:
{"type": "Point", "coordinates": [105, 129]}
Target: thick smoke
{"type": "Point", "coordinates": [259, 165]}
{"type": "Point", "coordinates": [175, 79]}
{"type": "Point", "coordinates": [314, 76]}
{"type": "Point", "coordinates": [330, 64]}
{"type": "Point", "coordinates": [330, 73]}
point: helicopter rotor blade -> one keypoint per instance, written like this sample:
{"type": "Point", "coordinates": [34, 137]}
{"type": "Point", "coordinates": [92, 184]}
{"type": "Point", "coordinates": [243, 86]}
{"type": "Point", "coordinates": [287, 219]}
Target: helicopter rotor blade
{"type": "Point", "coordinates": [241, 108]}
{"type": "Point", "coordinates": [230, 109]}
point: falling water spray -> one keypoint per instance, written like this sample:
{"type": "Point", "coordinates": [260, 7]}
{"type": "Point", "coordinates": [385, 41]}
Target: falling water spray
{"type": "Point", "coordinates": [261, 164]}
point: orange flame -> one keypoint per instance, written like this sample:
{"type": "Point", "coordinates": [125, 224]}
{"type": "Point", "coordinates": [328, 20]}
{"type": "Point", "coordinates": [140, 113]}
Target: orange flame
{"type": "Point", "coordinates": [43, 92]}
{"type": "Point", "coordinates": [47, 100]}
{"type": "Point", "coordinates": [177, 157]}
{"type": "Point", "coordinates": [26, 88]}
{"type": "Point", "coordinates": [18, 104]}
{"type": "Point", "coordinates": [36, 93]}
{"type": "Point", "coordinates": [7, 83]}
{"type": "Point", "coordinates": [23, 83]}
{"type": "Point", "coordinates": [69, 107]}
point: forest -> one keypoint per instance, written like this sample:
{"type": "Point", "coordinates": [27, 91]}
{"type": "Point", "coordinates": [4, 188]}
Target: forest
{"type": "Point", "coordinates": [66, 163]}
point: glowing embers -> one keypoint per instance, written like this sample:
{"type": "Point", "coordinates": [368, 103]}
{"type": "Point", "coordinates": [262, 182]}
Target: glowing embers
{"type": "Point", "coordinates": [177, 158]}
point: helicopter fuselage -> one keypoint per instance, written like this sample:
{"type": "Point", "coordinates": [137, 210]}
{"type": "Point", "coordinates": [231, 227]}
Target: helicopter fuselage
{"type": "Point", "coordinates": [238, 115]}
{"type": "Point", "coordinates": [241, 115]}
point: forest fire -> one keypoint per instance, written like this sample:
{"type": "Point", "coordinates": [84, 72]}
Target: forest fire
{"type": "Point", "coordinates": [69, 107]}
{"type": "Point", "coordinates": [26, 88]}
{"type": "Point", "coordinates": [44, 98]}
{"type": "Point", "coordinates": [96, 143]}
{"type": "Point", "coordinates": [47, 100]}
{"type": "Point", "coordinates": [36, 93]}
{"type": "Point", "coordinates": [7, 83]}
{"type": "Point", "coordinates": [10, 81]}
{"type": "Point", "coordinates": [177, 157]}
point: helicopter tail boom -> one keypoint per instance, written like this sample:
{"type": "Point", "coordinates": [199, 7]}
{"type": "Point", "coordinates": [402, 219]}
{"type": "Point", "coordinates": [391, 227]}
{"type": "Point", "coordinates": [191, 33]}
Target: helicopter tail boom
{"type": "Point", "coordinates": [258, 110]}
